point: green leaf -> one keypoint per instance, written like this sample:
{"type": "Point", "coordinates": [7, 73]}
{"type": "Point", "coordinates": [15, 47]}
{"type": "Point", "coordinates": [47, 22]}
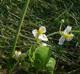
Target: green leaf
{"type": "Point", "coordinates": [42, 55]}
{"type": "Point", "coordinates": [30, 54]}
{"type": "Point", "coordinates": [51, 64]}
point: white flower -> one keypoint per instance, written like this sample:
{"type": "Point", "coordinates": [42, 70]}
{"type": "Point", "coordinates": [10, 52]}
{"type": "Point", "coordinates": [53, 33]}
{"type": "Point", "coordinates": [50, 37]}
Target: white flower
{"type": "Point", "coordinates": [17, 53]}
{"type": "Point", "coordinates": [66, 35]}
{"type": "Point", "coordinates": [40, 34]}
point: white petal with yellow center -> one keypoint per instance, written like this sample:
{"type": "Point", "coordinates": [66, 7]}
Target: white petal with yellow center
{"type": "Point", "coordinates": [61, 40]}
{"type": "Point", "coordinates": [67, 29]}
{"type": "Point", "coordinates": [35, 32]}
{"type": "Point", "coordinates": [43, 37]}
{"type": "Point", "coordinates": [42, 29]}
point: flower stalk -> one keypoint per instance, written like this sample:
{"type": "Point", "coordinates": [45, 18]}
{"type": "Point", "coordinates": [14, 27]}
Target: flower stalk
{"type": "Point", "coordinates": [20, 25]}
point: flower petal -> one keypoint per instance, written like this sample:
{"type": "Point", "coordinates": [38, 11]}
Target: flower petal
{"type": "Point", "coordinates": [67, 29]}
{"type": "Point", "coordinates": [35, 32]}
{"type": "Point", "coordinates": [43, 37]}
{"type": "Point", "coordinates": [43, 44]}
{"type": "Point", "coordinates": [42, 29]}
{"type": "Point", "coordinates": [61, 40]}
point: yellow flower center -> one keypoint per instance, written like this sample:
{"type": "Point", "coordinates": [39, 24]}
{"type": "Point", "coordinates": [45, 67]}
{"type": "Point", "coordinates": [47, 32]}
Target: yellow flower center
{"type": "Point", "coordinates": [40, 31]}
{"type": "Point", "coordinates": [68, 36]}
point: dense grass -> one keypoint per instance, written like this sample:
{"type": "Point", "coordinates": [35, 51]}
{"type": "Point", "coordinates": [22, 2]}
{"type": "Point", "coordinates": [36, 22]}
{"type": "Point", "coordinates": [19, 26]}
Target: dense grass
{"type": "Point", "coordinates": [48, 13]}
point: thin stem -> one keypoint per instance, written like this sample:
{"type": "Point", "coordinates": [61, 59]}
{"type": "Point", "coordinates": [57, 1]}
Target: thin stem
{"type": "Point", "coordinates": [76, 31]}
{"type": "Point", "coordinates": [53, 34]}
{"type": "Point", "coordinates": [20, 25]}
{"type": "Point", "coordinates": [62, 21]}
{"type": "Point", "coordinates": [59, 32]}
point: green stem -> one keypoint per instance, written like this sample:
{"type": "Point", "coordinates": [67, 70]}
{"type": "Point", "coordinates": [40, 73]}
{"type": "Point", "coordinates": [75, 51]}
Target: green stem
{"type": "Point", "coordinates": [19, 27]}
{"type": "Point", "coordinates": [76, 31]}
{"type": "Point", "coordinates": [53, 34]}
{"type": "Point", "coordinates": [59, 32]}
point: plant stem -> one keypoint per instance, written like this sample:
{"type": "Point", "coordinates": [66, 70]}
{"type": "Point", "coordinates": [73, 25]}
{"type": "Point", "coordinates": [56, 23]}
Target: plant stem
{"type": "Point", "coordinates": [77, 31]}
{"type": "Point", "coordinates": [9, 72]}
{"type": "Point", "coordinates": [53, 34]}
{"type": "Point", "coordinates": [59, 32]}
{"type": "Point", "coordinates": [19, 27]}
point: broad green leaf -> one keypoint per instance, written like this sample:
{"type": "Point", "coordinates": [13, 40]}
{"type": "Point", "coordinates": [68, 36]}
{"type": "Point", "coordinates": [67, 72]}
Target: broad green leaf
{"type": "Point", "coordinates": [51, 64]}
{"type": "Point", "coordinates": [42, 55]}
